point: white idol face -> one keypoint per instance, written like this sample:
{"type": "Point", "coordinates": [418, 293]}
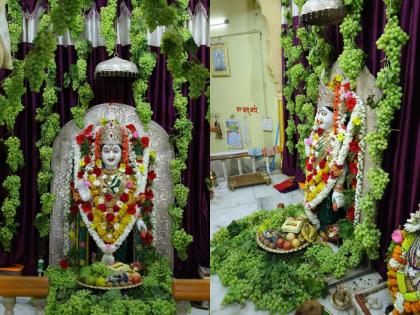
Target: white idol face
{"type": "Point", "coordinates": [111, 155]}
{"type": "Point", "coordinates": [325, 118]}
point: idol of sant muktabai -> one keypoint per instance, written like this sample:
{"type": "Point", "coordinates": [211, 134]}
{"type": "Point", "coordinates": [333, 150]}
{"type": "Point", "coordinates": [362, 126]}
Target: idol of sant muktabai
{"type": "Point", "coordinates": [112, 184]}
{"type": "Point", "coordinates": [334, 156]}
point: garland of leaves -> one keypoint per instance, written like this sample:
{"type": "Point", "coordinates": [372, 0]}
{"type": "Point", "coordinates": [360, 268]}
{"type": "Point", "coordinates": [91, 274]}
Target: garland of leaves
{"type": "Point", "coordinates": [10, 107]}
{"type": "Point", "coordinates": [388, 79]}
{"type": "Point", "coordinates": [154, 296]}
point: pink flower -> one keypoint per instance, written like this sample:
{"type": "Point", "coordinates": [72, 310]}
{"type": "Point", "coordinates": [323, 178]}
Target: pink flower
{"type": "Point", "coordinates": [129, 184]}
{"type": "Point", "coordinates": [397, 237]}
{"type": "Point", "coordinates": [135, 135]}
{"type": "Point", "coordinates": [308, 141]}
{"type": "Point", "coordinates": [347, 95]}
{"type": "Point", "coordinates": [86, 183]}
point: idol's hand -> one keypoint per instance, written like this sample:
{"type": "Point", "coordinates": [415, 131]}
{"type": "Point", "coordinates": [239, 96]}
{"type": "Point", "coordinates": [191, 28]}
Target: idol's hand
{"type": "Point", "coordinates": [84, 191]}
{"type": "Point", "coordinates": [338, 200]}
{"type": "Point", "coordinates": [141, 225]}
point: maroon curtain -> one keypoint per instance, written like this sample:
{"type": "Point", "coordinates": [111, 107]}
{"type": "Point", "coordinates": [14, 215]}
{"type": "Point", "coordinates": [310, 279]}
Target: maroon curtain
{"type": "Point", "coordinates": [26, 248]}
{"type": "Point", "coordinates": [402, 158]}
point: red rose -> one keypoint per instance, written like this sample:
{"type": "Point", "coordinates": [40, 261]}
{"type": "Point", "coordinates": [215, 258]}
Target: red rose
{"type": "Point", "coordinates": [97, 171]}
{"type": "Point", "coordinates": [108, 197]}
{"type": "Point", "coordinates": [80, 138]}
{"type": "Point", "coordinates": [151, 175]}
{"type": "Point", "coordinates": [347, 86]}
{"type": "Point", "coordinates": [102, 207]}
{"type": "Point", "coordinates": [325, 177]}
{"type": "Point", "coordinates": [124, 197]}
{"type": "Point", "coordinates": [131, 209]}
{"type": "Point", "coordinates": [140, 161]}
{"type": "Point", "coordinates": [87, 159]}
{"type": "Point", "coordinates": [310, 167]}
{"type": "Point", "coordinates": [131, 128]}
{"type": "Point", "coordinates": [322, 164]}
{"type": "Point", "coordinates": [148, 238]}
{"type": "Point", "coordinates": [64, 264]}
{"type": "Point", "coordinates": [313, 160]}
{"type": "Point", "coordinates": [74, 210]}
{"type": "Point", "coordinates": [315, 172]}
{"type": "Point", "coordinates": [80, 174]}
{"type": "Point", "coordinates": [90, 216]}
{"type": "Point", "coordinates": [145, 141]}
{"type": "Point", "coordinates": [86, 206]}
{"type": "Point", "coordinates": [309, 178]}
{"type": "Point", "coordinates": [320, 131]}
{"type": "Point", "coordinates": [116, 208]}
{"type": "Point", "coordinates": [110, 217]}
{"type": "Point", "coordinates": [350, 103]}
{"type": "Point", "coordinates": [128, 170]}
{"type": "Point", "coordinates": [149, 194]}
{"type": "Point", "coordinates": [354, 147]}
{"type": "Point", "coordinates": [354, 182]}
{"type": "Point", "coordinates": [353, 167]}
{"type": "Point", "coordinates": [350, 214]}
{"type": "Point", "coordinates": [88, 130]}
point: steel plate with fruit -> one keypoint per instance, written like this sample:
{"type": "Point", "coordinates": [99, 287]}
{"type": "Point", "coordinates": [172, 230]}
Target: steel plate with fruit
{"type": "Point", "coordinates": [295, 234]}
{"type": "Point", "coordinates": [117, 276]}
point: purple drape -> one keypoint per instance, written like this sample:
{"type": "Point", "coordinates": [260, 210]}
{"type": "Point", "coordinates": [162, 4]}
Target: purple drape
{"type": "Point", "coordinates": [402, 158]}
{"type": "Point", "coordinates": [26, 247]}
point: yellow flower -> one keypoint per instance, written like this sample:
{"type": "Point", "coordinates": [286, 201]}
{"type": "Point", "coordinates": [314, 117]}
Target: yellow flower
{"type": "Point", "coordinates": [356, 121]}
{"type": "Point", "coordinates": [72, 235]}
{"type": "Point", "coordinates": [125, 220]}
{"type": "Point", "coordinates": [103, 121]}
{"type": "Point", "coordinates": [338, 78]}
{"type": "Point", "coordinates": [91, 178]}
{"type": "Point", "coordinates": [340, 137]}
{"type": "Point", "coordinates": [98, 163]}
{"type": "Point", "coordinates": [82, 163]}
{"type": "Point", "coordinates": [153, 154]}
{"type": "Point", "coordinates": [141, 168]}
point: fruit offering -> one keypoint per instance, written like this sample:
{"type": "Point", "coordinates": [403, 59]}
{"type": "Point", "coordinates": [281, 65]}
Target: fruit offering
{"type": "Point", "coordinates": [117, 275]}
{"type": "Point", "coordinates": [283, 240]}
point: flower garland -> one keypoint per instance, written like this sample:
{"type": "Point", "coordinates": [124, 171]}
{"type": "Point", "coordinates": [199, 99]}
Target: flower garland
{"type": "Point", "coordinates": [109, 221]}
{"type": "Point", "coordinates": [321, 180]}
{"type": "Point", "coordinates": [399, 259]}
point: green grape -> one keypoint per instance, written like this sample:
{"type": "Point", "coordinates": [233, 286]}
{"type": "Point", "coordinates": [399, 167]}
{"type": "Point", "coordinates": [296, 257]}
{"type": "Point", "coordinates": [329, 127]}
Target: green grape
{"type": "Point", "coordinates": [177, 166]}
{"type": "Point", "coordinates": [378, 180]}
{"type": "Point", "coordinates": [14, 157]}
{"type": "Point", "coordinates": [108, 14]}
{"type": "Point", "coordinates": [12, 183]}
{"type": "Point", "coordinates": [181, 194]}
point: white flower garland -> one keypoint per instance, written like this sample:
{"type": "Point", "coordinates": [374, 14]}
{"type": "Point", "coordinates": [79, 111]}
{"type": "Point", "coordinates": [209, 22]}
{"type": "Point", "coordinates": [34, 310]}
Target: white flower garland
{"type": "Point", "coordinates": [339, 156]}
{"type": "Point", "coordinates": [141, 179]}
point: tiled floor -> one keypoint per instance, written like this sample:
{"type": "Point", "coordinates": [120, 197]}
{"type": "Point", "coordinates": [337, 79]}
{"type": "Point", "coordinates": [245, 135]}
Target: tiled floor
{"type": "Point", "coordinates": [232, 205]}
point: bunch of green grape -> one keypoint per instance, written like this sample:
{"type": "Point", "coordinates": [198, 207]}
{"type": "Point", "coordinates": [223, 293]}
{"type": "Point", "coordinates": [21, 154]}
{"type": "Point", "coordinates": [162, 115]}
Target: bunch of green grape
{"type": "Point", "coordinates": [177, 166]}
{"type": "Point", "coordinates": [296, 74]}
{"type": "Point", "coordinates": [85, 94]}
{"type": "Point", "coordinates": [303, 36]}
{"type": "Point", "coordinates": [47, 203]}
{"type": "Point", "coordinates": [180, 103]}
{"type": "Point", "coordinates": [108, 33]}
{"type": "Point", "coordinates": [352, 62]}
{"type": "Point", "coordinates": [368, 235]}
{"type": "Point", "coordinates": [12, 183]}
{"type": "Point", "coordinates": [144, 111]}
{"type": "Point", "coordinates": [198, 77]}
{"type": "Point", "coordinates": [378, 180]}
{"type": "Point", "coordinates": [6, 236]}
{"type": "Point", "coordinates": [43, 181]}
{"type": "Point", "coordinates": [14, 21]}
{"type": "Point", "coordinates": [162, 307]}
{"type": "Point", "coordinates": [368, 206]}
{"type": "Point", "coordinates": [181, 194]}
{"type": "Point", "coordinates": [14, 157]}
{"type": "Point", "coordinates": [181, 240]}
